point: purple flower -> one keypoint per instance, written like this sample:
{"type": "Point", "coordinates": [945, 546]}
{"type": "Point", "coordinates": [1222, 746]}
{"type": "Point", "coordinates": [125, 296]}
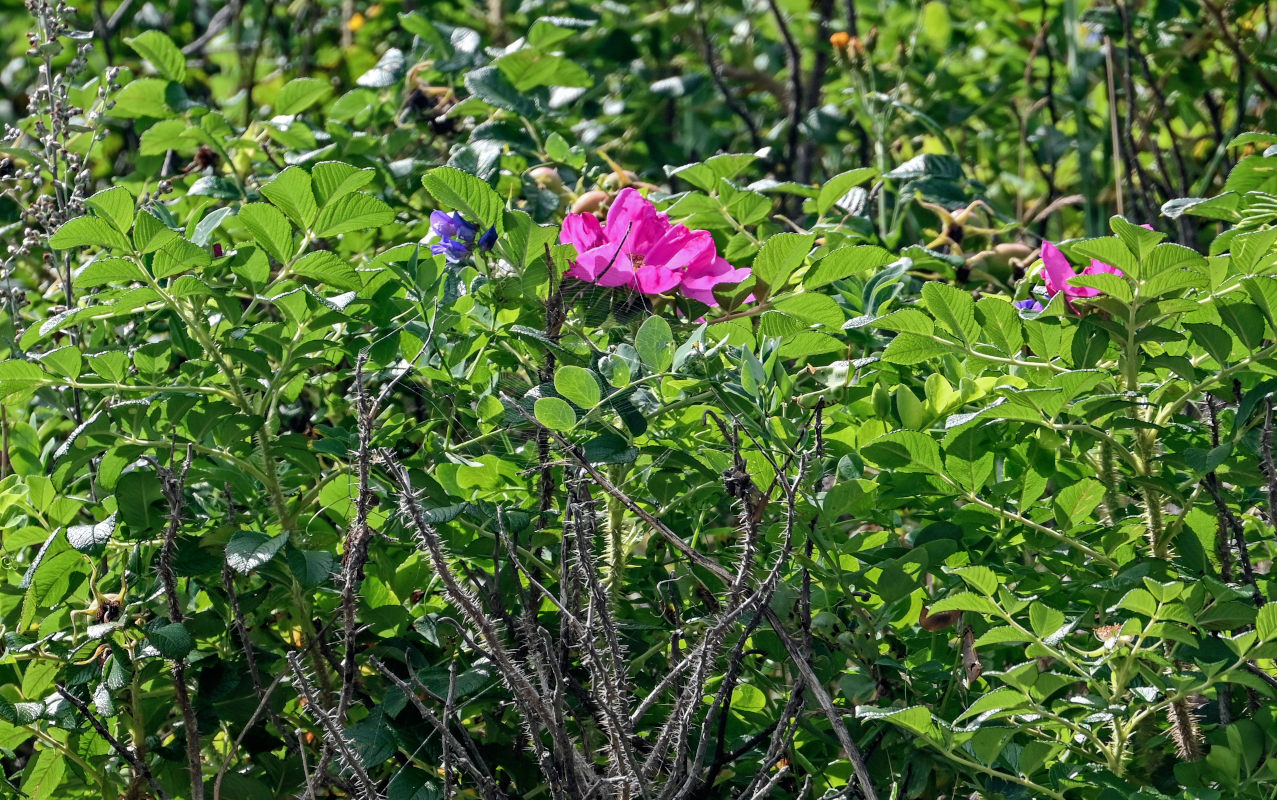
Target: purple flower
{"type": "Point", "coordinates": [457, 236]}
{"type": "Point", "coordinates": [452, 226]}
{"type": "Point", "coordinates": [1028, 305]}
{"type": "Point", "coordinates": [451, 249]}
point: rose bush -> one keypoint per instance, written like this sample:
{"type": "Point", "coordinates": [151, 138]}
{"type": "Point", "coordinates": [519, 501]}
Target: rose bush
{"type": "Point", "coordinates": [398, 405]}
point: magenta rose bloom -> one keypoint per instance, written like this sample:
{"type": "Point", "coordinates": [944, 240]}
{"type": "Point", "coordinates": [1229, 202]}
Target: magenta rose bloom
{"type": "Point", "coordinates": [639, 248]}
{"type": "Point", "coordinates": [1057, 270]}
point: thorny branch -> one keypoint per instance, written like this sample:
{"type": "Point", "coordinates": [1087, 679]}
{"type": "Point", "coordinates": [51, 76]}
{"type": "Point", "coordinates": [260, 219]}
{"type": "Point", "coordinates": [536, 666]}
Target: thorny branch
{"type": "Point", "coordinates": [173, 486]}
{"type": "Point", "coordinates": [1228, 522]}
{"type": "Point", "coordinates": [333, 733]}
{"type": "Point", "coordinates": [139, 766]}
{"type": "Point", "coordinates": [689, 751]}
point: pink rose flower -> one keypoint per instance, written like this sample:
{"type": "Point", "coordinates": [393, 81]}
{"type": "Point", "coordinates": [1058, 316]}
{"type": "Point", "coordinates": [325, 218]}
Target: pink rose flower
{"type": "Point", "coordinates": [1057, 270]}
{"type": "Point", "coordinates": [639, 248]}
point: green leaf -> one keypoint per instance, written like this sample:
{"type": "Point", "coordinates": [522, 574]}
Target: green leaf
{"type": "Point", "coordinates": [42, 779]}
{"type": "Point", "coordinates": [1139, 601]}
{"type": "Point", "coordinates": [1044, 620]}
{"type": "Point", "coordinates": [810, 343]}
{"type": "Point", "coordinates": [813, 308]}
{"type": "Point", "coordinates": [980, 578]}
{"type": "Point", "coordinates": [902, 320]}
{"type": "Point", "coordinates": [1003, 634]}
{"type": "Point", "coordinates": [1108, 250]}
{"type": "Point", "coordinates": [528, 68]}
{"type": "Point", "coordinates": [705, 175]}
{"type": "Point", "coordinates": [837, 187]}
{"type": "Point", "coordinates": [491, 86]}
{"type": "Point", "coordinates": [916, 719]}
{"type": "Point", "coordinates": [908, 348]}
{"type": "Point", "coordinates": [545, 34]}
{"type": "Point", "coordinates": [17, 376]}
{"type": "Point", "coordinates": [777, 324]}
{"type": "Point", "coordinates": [173, 641]}
{"type": "Point", "coordinates": [291, 192]}
{"type": "Point", "coordinates": [300, 94]}
{"type": "Point", "coordinates": [1255, 173]}
{"type": "Point", "coordinates": [270, 229]}
{"type": "Point", "coordinates": [311, 567]}
{"type": "Point", "coordinates": [1000, 324]}
{"type": "Point", "coordinates": [65, 361]}
{"type": "Point", "coordinates": [965, 601]}
{"type": "Point", "coordinates": [215, 186]}
{"type": "Point", "coordinates": [554, 413]}
{"type": "Point", "coordinates": [1245, 320]}
{"type": "Point", "coordinates": [328, 268]}
{"type": "Point", "coordinates": [1169, 255]}
{"type": "Point", "coordinates": [524, 241]}
{"type": "Point", "coordinates": [107, 270]}
{"type": "Point", "coordinates": [655, 344]}
{"type": "Point", "coordinates": [87, 232]}
{"type": "Point", "coordinates": [1138, 239]}
{"type": "Point", "coordinates": [999, 699]}
{"type": "Point", "coordinates": [907, 450]}
{"type": "Point", "coordinates": [352, 212]}
{"type": "Point", "coordinates": [1266, 622]}
{"type": "Point", "coordinates": [845, 262]}
{"type": "Point", "coordinates": [110, 364]}
{"type": "Point", "coordinates": [780, 256]}
{"type": "Point", "coordinates": [249, 550]}
{"type": "Point", "coordinates": [1074, 503]}
{"type": "Point", "coordinates": [92, 539]}
{"type": "Point", "coordinates": [178, 256]}
{"type": "Point", "coordinates": [579, 385]}
{"type": "Point", "coordinates": [1114, 286]}
{"type": "Point", "coordinates": [1213, 339]}
{"type": "Point", "coordinates": [159, 49]}
{"type": "Point", "coordinates": [953, 307]}
{"type": "Point", "coordinates": [114, 205]}
{"type": "Point", "coordinates": [205, 228]}
{"type": "Point", "coordinates": [463, 192]}
{"type": "Point", "coordinates": [143, 97]}
{"type": "Point", "coordinates": [163, 136]}
{"type": "Point", "coordinates": [149, 234]}
{"type": "Point", "coordinates": [335, 179]}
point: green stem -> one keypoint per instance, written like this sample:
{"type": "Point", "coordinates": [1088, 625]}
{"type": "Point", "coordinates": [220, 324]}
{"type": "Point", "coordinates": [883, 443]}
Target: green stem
{"type": "Point", "coordinates": [1062, 538]}
{"type": "Point", "coordinates": [1036, 788]}
{"type": "Point", "coordinates": [617, 554]}
{"type": "Point", "coordinates": [205, 338]}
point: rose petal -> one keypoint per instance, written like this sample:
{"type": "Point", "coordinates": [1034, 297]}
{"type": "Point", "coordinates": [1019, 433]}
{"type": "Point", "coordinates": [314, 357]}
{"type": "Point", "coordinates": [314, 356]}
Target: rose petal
{"type": "Point", "coordinates": [1056, 269]}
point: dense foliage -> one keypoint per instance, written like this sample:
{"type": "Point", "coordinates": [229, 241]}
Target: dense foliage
{"type": "Point", "coordinates": [638, 400]}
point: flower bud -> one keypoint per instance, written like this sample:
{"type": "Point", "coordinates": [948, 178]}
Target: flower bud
{"type": "Point", "coordinates": [590, 202]}
{"type": "Point", "coordinates": [546, 178]}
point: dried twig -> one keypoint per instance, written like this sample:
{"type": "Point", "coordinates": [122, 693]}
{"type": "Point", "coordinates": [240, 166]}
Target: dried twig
{"type": "Point", "coordinates": [795, 98]}
{"type": "Point", "coordinates": [716, 75]}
